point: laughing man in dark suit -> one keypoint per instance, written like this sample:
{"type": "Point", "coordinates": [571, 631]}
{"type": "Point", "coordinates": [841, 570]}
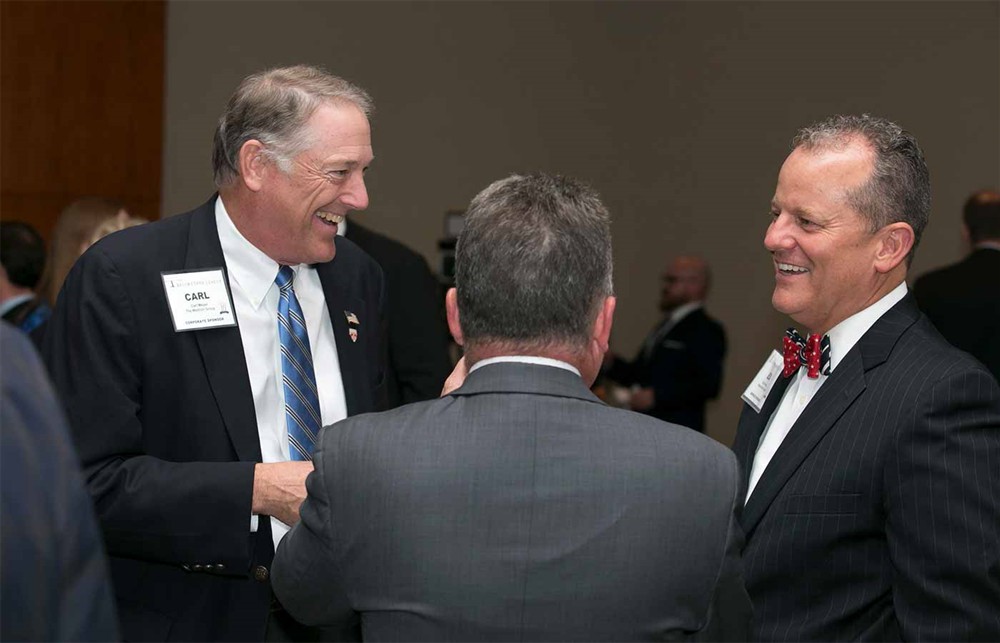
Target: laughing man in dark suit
{"type": "Point", "coordinates": [519, 507]}
{"type": "Point", "coordinates": [185, 364]}
{"type": "Point", "coordinates": [873, 496]}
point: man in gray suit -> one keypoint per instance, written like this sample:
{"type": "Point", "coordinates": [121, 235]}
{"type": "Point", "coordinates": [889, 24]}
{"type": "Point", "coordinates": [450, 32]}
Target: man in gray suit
{"type": "Point", "coordinates": [518, 506]}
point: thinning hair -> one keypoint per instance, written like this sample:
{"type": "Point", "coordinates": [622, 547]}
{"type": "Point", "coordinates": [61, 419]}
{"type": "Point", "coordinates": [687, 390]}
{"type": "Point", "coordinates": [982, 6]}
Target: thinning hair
{"type": "Point", "coordinates": [273, 107]}
{"type": "Point", "coordinates": [982, 216]}
{"type": "Point", "coordinates": [533, 263]}
{"type": "Point", "coordinates": [899, 188]}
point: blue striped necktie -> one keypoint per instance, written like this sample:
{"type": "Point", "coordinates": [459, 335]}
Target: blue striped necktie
{"type": "Point", "coordinates": [301, 400]}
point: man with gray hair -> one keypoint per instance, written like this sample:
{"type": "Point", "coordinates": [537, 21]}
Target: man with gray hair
{"type": "Point", "coordinates": [518, 506]}
{"type": "Point", "coordinates": [870, 446]}
{"type": "Point", "coordinates": [199, 356]}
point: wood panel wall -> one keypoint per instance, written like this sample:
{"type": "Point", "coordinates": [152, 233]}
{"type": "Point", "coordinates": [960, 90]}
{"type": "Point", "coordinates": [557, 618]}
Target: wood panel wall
{"type": "Point", "coordinates": [82, 106]}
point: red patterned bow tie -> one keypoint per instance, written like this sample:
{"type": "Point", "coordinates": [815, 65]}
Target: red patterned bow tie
{"type": "Point", "coordinates": [813, 352]}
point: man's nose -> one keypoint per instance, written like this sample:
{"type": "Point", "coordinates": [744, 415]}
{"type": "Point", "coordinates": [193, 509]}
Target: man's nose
{"type": "Point", "coordinates": [778, 235]}
{"type": "Point", "coordinates": [356, 195]}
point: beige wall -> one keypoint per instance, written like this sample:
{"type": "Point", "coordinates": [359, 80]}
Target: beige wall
{"type": "Point", "coordinates": [679, 113]}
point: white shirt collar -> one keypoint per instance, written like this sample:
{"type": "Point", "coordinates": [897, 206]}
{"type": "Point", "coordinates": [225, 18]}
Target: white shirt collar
{"type": "Point", "coordinates": [525, 359]}
{"type": "Point", "coordinates": [253, 270]}
{"type": "Point", "coordinates": [684, 310]}
{"type": "Point", "coordinates": [14, 302]}
{"type": "Point", "coordinates": [846, 334]}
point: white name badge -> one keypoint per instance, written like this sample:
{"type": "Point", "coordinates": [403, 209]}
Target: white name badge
{"type": "Point", "coordinates": [198, 299]}
{"type": "Point", "coordinates": [764, 381]}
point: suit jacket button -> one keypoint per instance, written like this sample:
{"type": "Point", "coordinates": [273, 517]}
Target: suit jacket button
{"type": "Point", "coordinates": [197, 568]}
{"type": "Point", "coordinates": [219, 567]}
{"type": "Point", "coordinates": [260, 573]}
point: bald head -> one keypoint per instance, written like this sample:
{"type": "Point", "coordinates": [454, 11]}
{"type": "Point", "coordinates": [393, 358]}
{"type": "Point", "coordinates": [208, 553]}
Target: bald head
{"type": "Point", "coordinates": [685, 280]}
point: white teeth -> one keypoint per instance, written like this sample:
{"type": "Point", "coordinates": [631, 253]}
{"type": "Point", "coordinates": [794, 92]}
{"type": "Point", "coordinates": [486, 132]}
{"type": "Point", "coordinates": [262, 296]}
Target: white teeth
{"type": "Point", "coordinates": [332, 218]}
{"type": "Point", "coordinates": [787, 267]}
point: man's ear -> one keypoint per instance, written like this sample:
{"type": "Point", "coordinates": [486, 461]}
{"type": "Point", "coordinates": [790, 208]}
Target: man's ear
{"type": "Point", "coordinates": [451, 307]}
{"type": "Point", "coordinates": [253, 162]}
{"type": "Point", "coordinates": [602, 325]}
{"type": "Point", "coordinates": [895, 242]}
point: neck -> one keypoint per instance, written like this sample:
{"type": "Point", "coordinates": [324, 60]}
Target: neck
{"type": "Point", "coordinates": [241, 211]}
{"type": "Point", "coordinates": [9, 291]}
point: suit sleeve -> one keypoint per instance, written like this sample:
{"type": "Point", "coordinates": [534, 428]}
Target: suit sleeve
{"type": "Point", "coordinates": [730, 611]}
{"type": "Point", "coordinates": [148, 508]}
{"type": "Point", "coordinates": [943, 512]}
{"type": "Point", "coordinates": [304, 573]}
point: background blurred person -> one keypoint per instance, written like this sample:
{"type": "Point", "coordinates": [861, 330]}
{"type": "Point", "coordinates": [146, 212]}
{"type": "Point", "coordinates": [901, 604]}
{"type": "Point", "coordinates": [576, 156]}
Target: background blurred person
{"type": "Point", "coordinates": [73, 233]}
{"type": "Point", "coordinates": [678, 369]}
{"type": "Point", "coordinates": [963, 300]}
{"type": "Point", "coordinates": [22, 255]}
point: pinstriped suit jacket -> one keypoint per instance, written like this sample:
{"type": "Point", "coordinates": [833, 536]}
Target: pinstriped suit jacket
{"type": "Point", "coordinates": [879, 516]}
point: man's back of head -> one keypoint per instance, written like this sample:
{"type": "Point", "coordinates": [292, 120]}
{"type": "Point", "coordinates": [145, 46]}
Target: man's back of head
{"type": "Point", "coordinates": [533, 268]}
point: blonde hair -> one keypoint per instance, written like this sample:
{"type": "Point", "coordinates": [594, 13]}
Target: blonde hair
{"type": "Point", "coordinates": [118, 222]}
{"type": "Point", "coordinates": [73, 233]}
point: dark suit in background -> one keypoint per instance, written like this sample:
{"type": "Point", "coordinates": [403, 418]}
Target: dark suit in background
{"type": "Point", "coordinates": [164, 423]}
{"type": "Point", "coordinates": [520, 507]}
{"type": "Point", "coordinates": [883, 501]}
{"type": "Point", "coordinates": [683, 367]}
{"type": "Point", "coordinates": [55, 578]}
{"type": "Point", "coordinates": [418, 337]}
{"type": "Point", "coordinates": [963, 301]}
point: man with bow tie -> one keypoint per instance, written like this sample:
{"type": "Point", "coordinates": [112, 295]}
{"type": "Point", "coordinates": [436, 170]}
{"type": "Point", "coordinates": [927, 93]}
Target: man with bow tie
{"type": "Point", "coordinates": [870, 448]}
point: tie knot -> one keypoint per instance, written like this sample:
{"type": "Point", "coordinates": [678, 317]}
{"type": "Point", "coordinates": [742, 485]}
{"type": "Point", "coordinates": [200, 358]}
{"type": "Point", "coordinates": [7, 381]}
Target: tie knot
{"type": "Point", "coordinates": [284, 278]}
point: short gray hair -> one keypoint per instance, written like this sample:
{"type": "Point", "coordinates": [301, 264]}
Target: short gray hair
{"type": "Point", "coordinates": [899, 188]}
{"type": "Point", "coordinates": [533, 263]}
{"type": "Point", "coordinates": [273, 107]}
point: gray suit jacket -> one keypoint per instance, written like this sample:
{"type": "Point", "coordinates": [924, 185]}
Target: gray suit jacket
{"type": "Point", "coordinates": [519, 507]}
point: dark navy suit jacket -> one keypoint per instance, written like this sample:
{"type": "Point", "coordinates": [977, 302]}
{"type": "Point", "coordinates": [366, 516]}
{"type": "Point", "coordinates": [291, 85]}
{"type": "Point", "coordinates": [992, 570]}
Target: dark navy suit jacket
{"type": "Point", "coordinates": [165, 424]}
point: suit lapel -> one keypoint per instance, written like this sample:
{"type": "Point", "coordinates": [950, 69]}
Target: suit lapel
{"type": "Point", "coordinates": [842, 388]}
{"type": "Point", "coordinates": [349, 353]}
{"type": "Point", "coordinates": [222, 348]}
{"type": "Point", "coordinates": [830, 402]}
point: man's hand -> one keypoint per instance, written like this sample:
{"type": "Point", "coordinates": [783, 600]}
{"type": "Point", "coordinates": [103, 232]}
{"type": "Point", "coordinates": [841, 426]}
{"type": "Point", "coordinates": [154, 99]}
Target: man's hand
{"type": "Point", "coordinates": [279, 488]}
{"type": "Point", "coordinates": [456, 379]}
{"type": "Point", "coordinates": [642, 399]}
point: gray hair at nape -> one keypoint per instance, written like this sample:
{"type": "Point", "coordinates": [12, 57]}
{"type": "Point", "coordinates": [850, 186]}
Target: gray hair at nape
{"type": "Point", "coordinates": [899, 188]}
{"type": "Point", "coordinates": [273, 107]}
{"type": "Point", "coordinates": [533, 263]}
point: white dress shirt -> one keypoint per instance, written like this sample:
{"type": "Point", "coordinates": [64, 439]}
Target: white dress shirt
{"type": "Point", "coordinates": [802, 389]}
{"type": "Point", "coordinates": [255, 297]}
